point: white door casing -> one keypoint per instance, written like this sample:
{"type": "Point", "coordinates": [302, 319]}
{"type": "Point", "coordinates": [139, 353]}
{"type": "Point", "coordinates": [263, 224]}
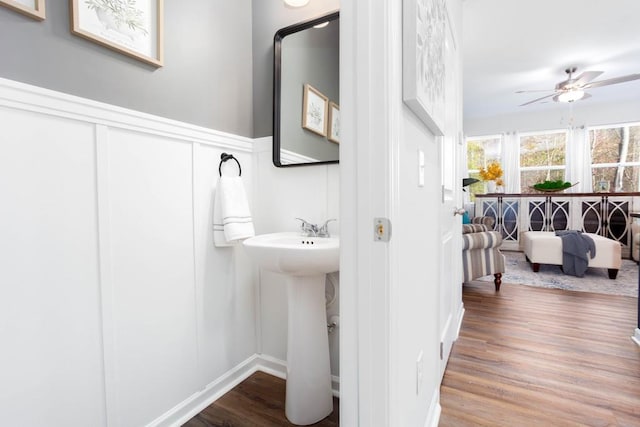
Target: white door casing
{"type": "Point", "coordinates": [450, 231]}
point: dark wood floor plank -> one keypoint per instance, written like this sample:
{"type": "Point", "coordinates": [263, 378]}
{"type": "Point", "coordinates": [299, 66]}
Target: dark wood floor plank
{"type": "Point", "coordinates": [536, 357]}
{"type": "Point", "coordinates": [257, 401]}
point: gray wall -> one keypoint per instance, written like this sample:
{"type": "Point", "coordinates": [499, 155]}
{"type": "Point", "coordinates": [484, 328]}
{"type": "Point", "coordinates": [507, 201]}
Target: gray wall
{"type": "Point", "coordinates": [206, 79]}
{"type": "Point", "coordinates": [269, 17]}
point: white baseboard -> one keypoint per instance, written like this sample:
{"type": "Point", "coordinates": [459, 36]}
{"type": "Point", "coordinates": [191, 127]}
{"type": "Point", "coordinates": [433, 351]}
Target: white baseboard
{"type": "Point", "coordinates": [433, 417]}
{"type": "Point", "coordinates": [187, 409]}
{"type": "Point", "coordinates": [459, 326]}
{"type": "Point", "coordinates": [636, 336]}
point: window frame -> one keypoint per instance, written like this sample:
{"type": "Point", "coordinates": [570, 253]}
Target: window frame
{"type": "Point", "coordinates": [470, 172]}
{"type": "Point", "coordinates": [497, 136]}
{"type": "Point", "coordinates": [595, 166]}
{"type": "Point", "coordinates": [547, 167]}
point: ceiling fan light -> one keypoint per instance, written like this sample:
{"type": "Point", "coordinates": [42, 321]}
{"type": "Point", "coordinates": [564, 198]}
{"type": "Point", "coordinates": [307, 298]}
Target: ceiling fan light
{"type": "Point", "coordinates": [571, 95]}
{"type": "Point", "coordinates": [296, 3]}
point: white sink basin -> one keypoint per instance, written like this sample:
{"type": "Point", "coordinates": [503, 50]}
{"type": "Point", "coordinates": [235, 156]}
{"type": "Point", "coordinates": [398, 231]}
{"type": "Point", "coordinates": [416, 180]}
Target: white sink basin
{"type": "Point", "coordinates": [304, 262]}
{"type": "Point", "coordinates": [293, 254]}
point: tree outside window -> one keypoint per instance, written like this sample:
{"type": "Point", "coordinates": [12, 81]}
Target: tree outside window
{"type": "Point", "coordinates": [480, 152]}
{"type": "Point", "coordinates": [615, 158]}
{"type": "Point", "coordinates": [542, 158]}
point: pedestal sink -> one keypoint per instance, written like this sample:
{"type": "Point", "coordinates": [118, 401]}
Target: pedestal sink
{"type": "Point", "coordinates": [304, 261]}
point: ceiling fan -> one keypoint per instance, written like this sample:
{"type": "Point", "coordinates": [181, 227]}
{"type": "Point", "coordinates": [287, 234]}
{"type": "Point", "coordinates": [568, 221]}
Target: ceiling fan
{"type": "Point", "coordinates": [573, 89]}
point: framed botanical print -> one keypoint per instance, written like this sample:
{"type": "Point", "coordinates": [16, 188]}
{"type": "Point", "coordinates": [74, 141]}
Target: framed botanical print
{"type": "Point", "coordinates": [31, 8]}
{"type": "Point", "coordinates": [333, 133]}
{"type": "Point", "coordinates": [314, 110]}
{"type": "Point", "coordinates": [132, 27]}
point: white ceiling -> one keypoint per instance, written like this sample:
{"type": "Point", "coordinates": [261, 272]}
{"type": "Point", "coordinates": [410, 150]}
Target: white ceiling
{"type": "Point", "coordinates": [512, 45]}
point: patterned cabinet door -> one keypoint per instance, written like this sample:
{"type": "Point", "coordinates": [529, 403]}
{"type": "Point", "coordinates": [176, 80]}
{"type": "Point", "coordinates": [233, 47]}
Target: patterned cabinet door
{"type": "Point", "coordinates": [549, 214]}
{"type": "Point", "coordinates": [616, 220]}
{"type": "Point", "coordinates": [489, 207]}
{"type": "Point", "coordinates": [537, 219]}
{"type": "Point", "coordinates": [609, 217]}
{"type": "Point", "coordinates": [559, 214]}
{"type": "Point", "coordinates": [510, 212]}
{"type": "Point", "coordinates": [506, 213]}
{"type": "Point", "coordinates": [592, 214]}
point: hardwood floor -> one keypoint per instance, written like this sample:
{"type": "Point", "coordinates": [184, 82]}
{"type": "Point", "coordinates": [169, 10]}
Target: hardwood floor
{"type": "Point", "coordinates": [543, 357]}
{"type": "Point", "coordinates": [257, 401]}
{"type": "Point", "coordinates": [525, 357]}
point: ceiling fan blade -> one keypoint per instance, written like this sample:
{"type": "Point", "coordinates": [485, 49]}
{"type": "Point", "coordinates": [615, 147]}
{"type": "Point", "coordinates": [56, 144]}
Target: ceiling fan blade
{"type": "Point", "coordinates": [537, 99]}
{"type": "Point", "coordinates": [613, 81]}
{"type": "Point", "coordinates": [585, 96]}
{"type": "Point", "coordinates": [586, 77]}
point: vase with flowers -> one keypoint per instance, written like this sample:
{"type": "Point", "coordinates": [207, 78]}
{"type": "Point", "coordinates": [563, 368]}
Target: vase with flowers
{"type": "Point", "coordinates": [492, 174]}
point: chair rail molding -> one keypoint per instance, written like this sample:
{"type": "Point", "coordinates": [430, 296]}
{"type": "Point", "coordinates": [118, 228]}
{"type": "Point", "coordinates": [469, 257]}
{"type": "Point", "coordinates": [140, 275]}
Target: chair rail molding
{"type": "Point", "coordinates": [27, 97]}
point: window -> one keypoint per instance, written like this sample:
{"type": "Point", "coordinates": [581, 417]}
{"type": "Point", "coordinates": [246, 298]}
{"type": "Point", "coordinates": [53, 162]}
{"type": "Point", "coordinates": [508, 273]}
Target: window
{"type": "Point", "coordinates": [615, 158]}
{"type": "Point", "coordinates": [542, 157]}
{"type": "Point", "coordinates": [480, 152]}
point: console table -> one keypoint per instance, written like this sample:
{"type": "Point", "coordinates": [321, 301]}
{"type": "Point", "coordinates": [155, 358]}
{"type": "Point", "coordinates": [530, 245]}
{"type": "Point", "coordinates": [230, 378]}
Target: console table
{"type": "Point", "coordinates": [606, 214]}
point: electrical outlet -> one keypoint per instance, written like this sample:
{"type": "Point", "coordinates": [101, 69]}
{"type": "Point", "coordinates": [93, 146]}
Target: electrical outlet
{"type": "Point", "coordinates": [419, 370]}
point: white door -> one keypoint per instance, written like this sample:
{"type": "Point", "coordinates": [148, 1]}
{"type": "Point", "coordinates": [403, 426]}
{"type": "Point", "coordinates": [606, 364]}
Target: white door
{"type": "Point", "coordinates": [451, 201]}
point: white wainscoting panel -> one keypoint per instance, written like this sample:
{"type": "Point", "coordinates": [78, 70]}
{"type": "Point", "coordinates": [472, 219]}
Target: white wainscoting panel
{"type": "Point", "coordinates": [151, 235]}
{"type": "Point", "coordinates": [50, 331]}
{"type": "Point", "coordinates": [115, 308]}
{"type": "Point", "coordinates": [225, 283]}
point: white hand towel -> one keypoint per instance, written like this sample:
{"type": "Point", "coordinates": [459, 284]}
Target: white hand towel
{"type": "Point", "coordinates": [232, 220]}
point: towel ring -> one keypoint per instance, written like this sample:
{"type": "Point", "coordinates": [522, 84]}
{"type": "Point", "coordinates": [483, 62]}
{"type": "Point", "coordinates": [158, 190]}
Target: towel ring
{"type": "Point", "coordinates": [223, 158]}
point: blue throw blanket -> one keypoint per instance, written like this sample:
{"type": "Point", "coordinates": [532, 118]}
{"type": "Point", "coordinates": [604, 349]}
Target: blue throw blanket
{"type": "Point", "coordinates": [577, 248]}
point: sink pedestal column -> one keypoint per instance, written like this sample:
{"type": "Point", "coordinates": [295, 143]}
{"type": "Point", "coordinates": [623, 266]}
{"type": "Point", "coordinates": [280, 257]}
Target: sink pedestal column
{"type": "Point", "coordinates": [309, 398]}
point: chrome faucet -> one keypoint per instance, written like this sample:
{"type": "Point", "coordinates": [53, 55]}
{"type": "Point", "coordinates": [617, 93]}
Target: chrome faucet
{"type": "Point", "coordinates": [308, 229]}
{"type": "Point", "coordinates": [323, 231]}
{"type": "Point", "coordinates": [312, 230]}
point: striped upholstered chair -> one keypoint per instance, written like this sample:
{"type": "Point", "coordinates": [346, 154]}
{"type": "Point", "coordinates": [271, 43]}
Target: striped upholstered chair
{"type": "Point", "coordinates": [480, 254]}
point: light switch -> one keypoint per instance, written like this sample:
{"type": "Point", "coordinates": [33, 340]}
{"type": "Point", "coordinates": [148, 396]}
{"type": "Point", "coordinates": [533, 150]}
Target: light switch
{"type": "Point", "coordinates": [420, 168]}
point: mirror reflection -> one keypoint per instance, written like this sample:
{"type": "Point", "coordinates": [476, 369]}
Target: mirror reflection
{"type": "Point", "coordinates": [306, 107]}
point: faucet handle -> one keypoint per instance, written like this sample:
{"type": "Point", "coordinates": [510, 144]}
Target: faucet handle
{"type": "Point", "coordinates": [304, 222]}
{"type": "Point", "coordinates": [324, 229]}
{"type": "Point", "coordinates": [307, 227]}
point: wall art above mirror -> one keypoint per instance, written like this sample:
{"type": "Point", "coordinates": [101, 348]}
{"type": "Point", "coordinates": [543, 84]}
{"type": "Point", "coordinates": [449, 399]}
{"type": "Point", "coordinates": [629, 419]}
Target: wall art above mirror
{"type": "Point", "coordinates": [306, 93]}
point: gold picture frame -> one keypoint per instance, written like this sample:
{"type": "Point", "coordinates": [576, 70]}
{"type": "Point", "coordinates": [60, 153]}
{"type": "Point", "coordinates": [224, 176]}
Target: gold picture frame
{"type": "Point", "coordinates": [333, 133]}
{"type": "Point", "coordinates": [135, 31]}
{"type": "Point", "coordinates": [32, 8]}
{"type": "Point", "coordinates": [314, 110]}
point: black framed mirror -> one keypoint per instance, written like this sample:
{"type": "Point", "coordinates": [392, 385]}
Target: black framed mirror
{"type": "Point", "coordinates": [306, 93]}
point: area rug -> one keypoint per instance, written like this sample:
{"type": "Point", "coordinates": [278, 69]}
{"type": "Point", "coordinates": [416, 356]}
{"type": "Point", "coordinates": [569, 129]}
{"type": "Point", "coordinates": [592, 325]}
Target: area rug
{"type": "Point", "coordinates": [518, 271]}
